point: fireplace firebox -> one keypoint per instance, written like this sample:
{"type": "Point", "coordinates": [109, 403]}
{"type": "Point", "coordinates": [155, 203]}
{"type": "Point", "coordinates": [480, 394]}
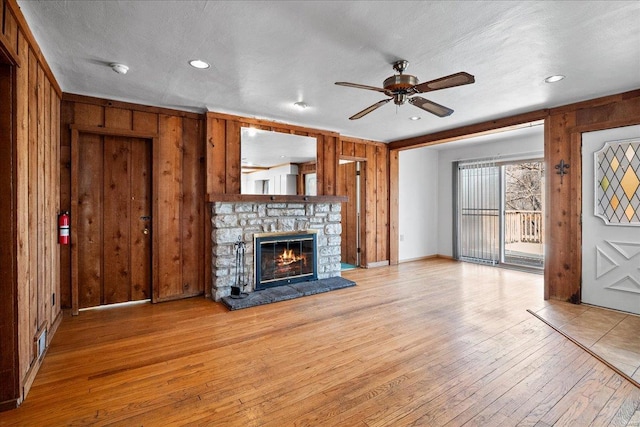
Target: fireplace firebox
{"type": "Point", "coordinates": [284, 258]}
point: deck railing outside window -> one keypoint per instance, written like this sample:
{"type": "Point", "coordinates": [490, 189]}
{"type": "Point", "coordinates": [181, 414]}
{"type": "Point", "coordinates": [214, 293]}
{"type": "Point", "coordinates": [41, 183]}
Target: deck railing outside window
{"type": "Point", "coordinates": [523, 226]}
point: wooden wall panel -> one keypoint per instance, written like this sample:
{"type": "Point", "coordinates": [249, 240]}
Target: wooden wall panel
{"type": "Point", "coordinates": [55, 311]}
{"type": "Point", "coordinates": [232, 181]}
{"type": "Point", "coordinates": [382, 204]}
{"type": "Point", "coordinates": [193, 207]}
{"type": "Point", "coordinates": [145, 122]}
{"type": "Point", "coordinates": [10, 29]}
{"type": "Point", "coordinates": [24, 222]}
{"type": "Point", "coordinates": [370, 208]}
{"type": "Point", "coordinates": [360, 150]}
{"type": "Point", "coordinates": [41, 208]}
{"type": "Point", "coordinates": [168, 193]}
{"type": "Point", "coordinates": [118, 118]}
{"type": "Point", "coordinates": [216, 156]}
{"type": "Point", "coordinates": [330, 165]}
{"type": "Point", "coordinates": [33, 188]}
{"type": "Point", "coordinates": [46, 287]}
{"type": "Point", "coordinates": [32, 291]}
{"type": "Point", "coordinates": [348, 148]}
{"type": "Point", "coordinates": [66, 117]}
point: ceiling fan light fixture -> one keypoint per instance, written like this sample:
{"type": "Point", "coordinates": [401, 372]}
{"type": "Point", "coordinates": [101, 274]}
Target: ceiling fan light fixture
{"type": "Point", "coordinates": [199, 64]}
{"type": "Point", "coordinates": [554, 78]}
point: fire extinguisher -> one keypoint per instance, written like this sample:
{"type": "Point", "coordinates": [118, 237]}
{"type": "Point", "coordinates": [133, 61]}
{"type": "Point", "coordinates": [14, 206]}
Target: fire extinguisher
{"type": "Point", "coordinates": [63, 228]}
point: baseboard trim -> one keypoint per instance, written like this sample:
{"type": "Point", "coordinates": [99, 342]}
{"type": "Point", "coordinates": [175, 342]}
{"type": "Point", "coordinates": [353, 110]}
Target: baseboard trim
{"type": "Point", "coordinates": [378, 264]}
{"type": "Point", "coordinates": [423, 258]}
{"type": "Point", "coordinates": [8, 405]}
{"type": "Point", "coordinates": [30, 376]}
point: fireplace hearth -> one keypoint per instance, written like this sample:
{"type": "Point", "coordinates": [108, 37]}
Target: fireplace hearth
{"type": "Point", "coordinates": [285, 258]}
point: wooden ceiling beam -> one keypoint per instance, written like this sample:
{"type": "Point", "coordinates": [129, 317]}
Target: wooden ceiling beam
{"type": "Point", "coordinates": [465, 132]}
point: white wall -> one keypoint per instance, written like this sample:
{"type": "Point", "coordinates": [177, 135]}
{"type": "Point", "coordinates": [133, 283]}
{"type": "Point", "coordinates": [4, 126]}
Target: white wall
{"type": "Point", "coordinates": [282, 180]}
{"type": "Point", "coordinates": [425, 204]}
{"type": "Point", "coordinates": [417, 200]}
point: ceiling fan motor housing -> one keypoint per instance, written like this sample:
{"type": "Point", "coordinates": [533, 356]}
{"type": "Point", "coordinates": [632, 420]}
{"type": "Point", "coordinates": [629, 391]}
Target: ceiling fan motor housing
{"type": "Point", "coordinates": [398, 86]}
{"type": "Point", "coordinates": [400, 82]}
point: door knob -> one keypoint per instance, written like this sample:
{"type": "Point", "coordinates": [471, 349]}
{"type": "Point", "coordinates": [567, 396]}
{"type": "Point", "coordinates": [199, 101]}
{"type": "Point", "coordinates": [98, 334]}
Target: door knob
{"type": "Point", "coordinates": [145, 231]}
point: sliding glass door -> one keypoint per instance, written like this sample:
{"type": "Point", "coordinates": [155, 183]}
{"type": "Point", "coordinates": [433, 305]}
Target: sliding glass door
{"type": "Point", "coordinates": [499, 212]}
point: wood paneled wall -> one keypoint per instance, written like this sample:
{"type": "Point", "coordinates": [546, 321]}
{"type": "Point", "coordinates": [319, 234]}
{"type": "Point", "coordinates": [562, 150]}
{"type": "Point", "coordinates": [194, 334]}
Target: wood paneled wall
{"type": "Point", "coordinates": [32, 183]}
{"type": "Point", "coordinates": [375, 155]}
{"type": "Point", "coordinates": [223, 171]}
{"type": "Point", "coordinates": [563, 141]}
{"type": "Point", "coordinates": [180, 216]}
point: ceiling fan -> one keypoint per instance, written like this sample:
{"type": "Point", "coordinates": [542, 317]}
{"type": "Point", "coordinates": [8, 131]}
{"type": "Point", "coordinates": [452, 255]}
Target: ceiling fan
{"type": "Point", "coordinates": [400, 88]}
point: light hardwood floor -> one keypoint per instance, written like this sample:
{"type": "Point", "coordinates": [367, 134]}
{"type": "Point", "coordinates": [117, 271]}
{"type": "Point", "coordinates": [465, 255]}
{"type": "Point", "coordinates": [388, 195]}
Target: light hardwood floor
{"type": "Point", "coordinates": [424, 343]}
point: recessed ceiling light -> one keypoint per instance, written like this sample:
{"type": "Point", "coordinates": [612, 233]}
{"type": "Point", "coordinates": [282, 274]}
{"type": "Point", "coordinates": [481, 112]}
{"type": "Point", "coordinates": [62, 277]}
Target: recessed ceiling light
{"type": "Point", "coordinates": [300, 105]}
{"type": "Point", "coordinates": [414, 118]}
{"type": "Point", "coordinates": [553, 79]}
{"type": "Point", "coordinates": [199, 63]}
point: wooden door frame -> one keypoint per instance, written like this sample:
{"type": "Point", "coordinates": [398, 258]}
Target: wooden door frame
{"type": "Point", "coordinates": [576, 177]}
{"type": "Point", "coordinates": [76, 130]}
{"type": "Point", "coordinates": [9, 342]}
{"type": "Point", "coordinates": [363, 204]}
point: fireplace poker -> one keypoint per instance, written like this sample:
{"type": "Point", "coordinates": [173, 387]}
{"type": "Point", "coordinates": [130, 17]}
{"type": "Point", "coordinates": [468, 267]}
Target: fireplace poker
{"type": "Point", "coordinates": [240, 249]}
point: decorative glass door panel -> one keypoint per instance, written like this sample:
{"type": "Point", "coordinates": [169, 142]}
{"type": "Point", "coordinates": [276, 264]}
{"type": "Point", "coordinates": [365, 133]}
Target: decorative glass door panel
{"type": "Point", "coordinates": [611, 218]}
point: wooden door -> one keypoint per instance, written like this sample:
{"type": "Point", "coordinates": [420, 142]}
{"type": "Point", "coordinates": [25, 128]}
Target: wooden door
{"type": "Point", "coordinates": [348, 176]}
{"type": "Point", "coordinates": [611, 218]}
{"type": "Point", "coordinates": [113, 219]}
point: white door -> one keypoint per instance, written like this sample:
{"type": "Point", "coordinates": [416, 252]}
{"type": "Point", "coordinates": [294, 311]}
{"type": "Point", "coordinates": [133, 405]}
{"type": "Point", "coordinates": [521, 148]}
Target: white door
{"type": "Point", "coordinates": [611, 218]}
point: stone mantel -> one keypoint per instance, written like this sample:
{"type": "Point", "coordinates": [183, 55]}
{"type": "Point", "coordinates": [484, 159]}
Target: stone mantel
{"type": "Point", "coordinates": [266, 198]}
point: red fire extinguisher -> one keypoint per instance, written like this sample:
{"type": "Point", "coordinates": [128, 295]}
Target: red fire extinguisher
{"type": "Point", "coordinates": [63, 228]}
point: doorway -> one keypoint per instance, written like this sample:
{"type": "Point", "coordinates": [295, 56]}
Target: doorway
{"type": "Point", "coordinates": [9, 362]}
{"type": "Point", "coordinates": [350, 179]}
{"type": "Point", "coordinates": [611, 218]}
{"type": "Point", "coordinates": [500, 213]}
{"type": "Point", "coordinates": [111, 224]}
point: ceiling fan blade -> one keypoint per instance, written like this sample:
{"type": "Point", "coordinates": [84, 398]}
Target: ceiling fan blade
{"type": "Point", "coordinates": [369, 109]}
{"type": "Point", "coordinates": [358, 86]}
{"type": "Point", "coordinates": [430, 106]}
{"type": "Point", "coordinates": [457, 79]}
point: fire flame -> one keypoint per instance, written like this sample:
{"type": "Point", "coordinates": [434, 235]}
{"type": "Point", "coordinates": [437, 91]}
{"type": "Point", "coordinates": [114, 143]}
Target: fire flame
{"type": "Point", "coordinates": [289, 257]}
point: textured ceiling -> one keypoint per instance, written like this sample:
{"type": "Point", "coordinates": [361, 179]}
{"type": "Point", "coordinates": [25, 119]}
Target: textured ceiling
{"type": "Point", "coordinates": [266, 55]}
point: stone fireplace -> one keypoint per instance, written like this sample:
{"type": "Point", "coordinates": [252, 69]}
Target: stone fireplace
{"type": "Point", "coordinates": [273, 222]}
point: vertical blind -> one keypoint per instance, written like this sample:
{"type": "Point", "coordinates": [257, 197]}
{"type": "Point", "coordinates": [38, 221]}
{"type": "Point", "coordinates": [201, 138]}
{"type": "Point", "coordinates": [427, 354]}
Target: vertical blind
{"type": "Point", "coordinates": [478, 212]}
